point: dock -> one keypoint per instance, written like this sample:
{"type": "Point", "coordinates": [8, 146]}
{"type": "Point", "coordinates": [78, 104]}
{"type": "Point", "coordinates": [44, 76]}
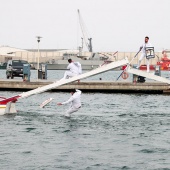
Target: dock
{"type": "Point", "coordinates": [89, 86]}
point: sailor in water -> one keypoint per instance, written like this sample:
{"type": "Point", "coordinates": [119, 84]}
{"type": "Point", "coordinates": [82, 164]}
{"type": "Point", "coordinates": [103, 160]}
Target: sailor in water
{"type": "Point", "coordinates": [74, 69]}
{"type": "Point", "coordinates": [75, 102]}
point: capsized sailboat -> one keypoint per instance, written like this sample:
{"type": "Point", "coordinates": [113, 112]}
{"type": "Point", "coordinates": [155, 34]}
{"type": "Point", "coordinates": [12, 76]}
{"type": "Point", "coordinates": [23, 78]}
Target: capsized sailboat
{"type": "Point", "coordinates": [7, 105]}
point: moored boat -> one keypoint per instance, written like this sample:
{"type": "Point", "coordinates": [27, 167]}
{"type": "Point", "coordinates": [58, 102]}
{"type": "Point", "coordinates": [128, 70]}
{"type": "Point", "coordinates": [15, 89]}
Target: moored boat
{"type": "Point", "coordinates": [164, 63]}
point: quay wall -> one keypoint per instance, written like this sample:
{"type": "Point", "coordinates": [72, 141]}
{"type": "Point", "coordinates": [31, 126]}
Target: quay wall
{"type": "Point", "coordinates": [88, 86]}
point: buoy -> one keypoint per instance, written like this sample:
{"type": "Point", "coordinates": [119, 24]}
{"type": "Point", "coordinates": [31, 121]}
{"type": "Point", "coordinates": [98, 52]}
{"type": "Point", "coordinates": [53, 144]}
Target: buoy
{"type": "Point", "coordinates": [125, 75]}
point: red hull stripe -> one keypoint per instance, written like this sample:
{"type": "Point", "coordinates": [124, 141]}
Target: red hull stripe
{"type": "Point", "coordinates": [11, 99]}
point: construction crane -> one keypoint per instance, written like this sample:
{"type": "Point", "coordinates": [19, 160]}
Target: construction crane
{"type": "Point", "coordinates": [87, 40]}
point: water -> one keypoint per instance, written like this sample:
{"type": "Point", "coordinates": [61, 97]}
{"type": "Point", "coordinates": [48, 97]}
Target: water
{"type": "Point", "coordinates": [110, 131]}
{"type": "Point", "coordinates": [107, 76]}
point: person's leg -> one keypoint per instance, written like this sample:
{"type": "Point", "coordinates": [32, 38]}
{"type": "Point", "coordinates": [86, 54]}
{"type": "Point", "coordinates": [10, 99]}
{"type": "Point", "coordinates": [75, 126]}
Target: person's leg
{"type": "Point", "coordinates": [70, 111]}
{"type": "Point", "coordinates": [79, 80]}
{"type": "Point", "coordinates": [65, 75]}
{"type": "Point", "coordinates": [148, 67]}
{"type": "Point", "coordinates": [140, 59]}
{"type": "Point", "coordinates": [68, 74]}
{"type": "Point", "coordinates": [72, 74]}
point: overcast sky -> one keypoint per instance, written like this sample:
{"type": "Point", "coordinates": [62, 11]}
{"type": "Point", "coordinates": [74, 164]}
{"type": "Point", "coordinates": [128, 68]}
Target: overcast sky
{"type": "Point", "coordinates": [113, 25]}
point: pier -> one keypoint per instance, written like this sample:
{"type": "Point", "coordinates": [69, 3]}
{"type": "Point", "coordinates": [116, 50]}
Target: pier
{"type": "Point", "coordinates": [89, 86]}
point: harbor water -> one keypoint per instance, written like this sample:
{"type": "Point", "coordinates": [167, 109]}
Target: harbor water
{"type": "Point", "coordinates": [111, 131]}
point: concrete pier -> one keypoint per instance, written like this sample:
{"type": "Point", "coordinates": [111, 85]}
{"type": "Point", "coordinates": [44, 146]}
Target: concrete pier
{"type": "Point", "coordinates": [90, 86]}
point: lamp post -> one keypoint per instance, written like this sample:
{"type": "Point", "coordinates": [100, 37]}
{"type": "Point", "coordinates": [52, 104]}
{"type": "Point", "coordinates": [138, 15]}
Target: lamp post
{"type": "Point", "coordinates": [38, 40]}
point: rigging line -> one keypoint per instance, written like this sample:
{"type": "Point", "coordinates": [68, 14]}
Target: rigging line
{"type": "Point", "coordinates": [77, 32]}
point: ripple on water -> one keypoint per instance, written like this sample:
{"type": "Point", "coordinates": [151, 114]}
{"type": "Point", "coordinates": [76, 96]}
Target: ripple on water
{"type": "Point", "coordinates": [110, 131]}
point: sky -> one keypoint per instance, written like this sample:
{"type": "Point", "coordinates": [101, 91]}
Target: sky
{"type": "Point", "coordinates": [113, 25]}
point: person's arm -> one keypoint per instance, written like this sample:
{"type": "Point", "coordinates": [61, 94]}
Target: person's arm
{"type": "Point", "coordinates": [77, 63]}
{"type": "Point", "coordinates": [68, 101]}
{"type": "Point", "coordinates": [71, 98]}
{"type": "Point", "coordinates": [68, 67]}
{"type": "Point", "coordinates": [141, 47]}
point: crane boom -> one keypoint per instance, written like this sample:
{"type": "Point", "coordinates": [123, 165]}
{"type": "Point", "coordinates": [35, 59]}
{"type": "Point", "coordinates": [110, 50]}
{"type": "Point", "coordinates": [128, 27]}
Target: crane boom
{"type": "Point", "coordinates": [87, 40]}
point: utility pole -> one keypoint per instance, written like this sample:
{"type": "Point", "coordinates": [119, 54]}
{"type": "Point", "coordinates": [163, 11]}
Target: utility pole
{"type": "Point", "coordinates": [38, 60]}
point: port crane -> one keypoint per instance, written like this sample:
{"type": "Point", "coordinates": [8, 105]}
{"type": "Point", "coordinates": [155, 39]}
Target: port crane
{"type": "Point", "coordinates": [87, 39]}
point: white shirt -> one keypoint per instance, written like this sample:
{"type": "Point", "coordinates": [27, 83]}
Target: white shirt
{"type": "Point", "coordinates": [79, 67]}
{"type": "Point", "coordinates": [75, 99]}
{"type": "Point", "coordinates": [143, 46]}
{"type": "Point", "coordinates": [73, 68]}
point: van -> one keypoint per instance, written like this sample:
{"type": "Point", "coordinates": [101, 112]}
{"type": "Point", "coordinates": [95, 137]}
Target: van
{"type": "Point", "coordinates": [15, 68]}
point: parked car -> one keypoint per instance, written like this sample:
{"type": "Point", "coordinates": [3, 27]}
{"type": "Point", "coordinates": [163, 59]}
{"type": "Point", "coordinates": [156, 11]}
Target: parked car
{"type": "Point", "coordinates": [3, 65]}
{"type": "Point", "coordinates": [15, 68]}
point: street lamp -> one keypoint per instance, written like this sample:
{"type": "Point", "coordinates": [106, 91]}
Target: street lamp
{"type": "Point", "coordinates": [38, 40]}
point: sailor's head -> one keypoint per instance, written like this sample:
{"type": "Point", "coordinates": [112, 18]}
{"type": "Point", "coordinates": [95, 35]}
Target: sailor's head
{"type": "Point", "coordinates": [146, 39]}
{"type": "Point", "coordinates": [72, 91]}
{"type": "Point", "coordinates": [70, 60]}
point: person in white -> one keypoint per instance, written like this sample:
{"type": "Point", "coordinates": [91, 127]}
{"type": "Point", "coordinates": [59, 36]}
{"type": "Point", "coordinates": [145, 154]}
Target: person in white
{"type": "Point", "coordinates": [74, 69]}
{"type": "Point", "coordinates": [75, 101]}
{"type": "Point", "coordinates": [143, 48]}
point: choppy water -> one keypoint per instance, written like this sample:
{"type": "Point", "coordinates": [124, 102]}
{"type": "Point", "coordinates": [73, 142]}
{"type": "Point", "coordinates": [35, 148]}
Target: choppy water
{"type": "Point", "coordinates": [110, 131]}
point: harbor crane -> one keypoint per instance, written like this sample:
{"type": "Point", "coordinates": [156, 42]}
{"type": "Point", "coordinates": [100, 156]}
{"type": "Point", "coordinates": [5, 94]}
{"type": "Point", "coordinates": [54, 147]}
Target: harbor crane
{"type": "Point", "coordinates": [86, 37]}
